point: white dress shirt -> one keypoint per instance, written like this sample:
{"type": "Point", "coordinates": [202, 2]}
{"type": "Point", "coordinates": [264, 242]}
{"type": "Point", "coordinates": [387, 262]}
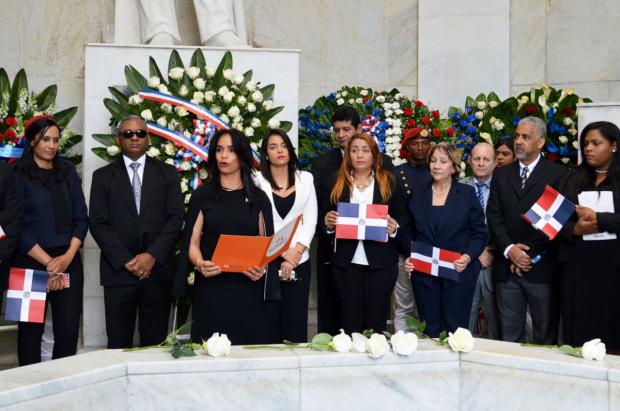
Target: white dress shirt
{"type": "Point", "coordinates": [129, 162]}
{"type": "Point", "coordinates": [362, 197]}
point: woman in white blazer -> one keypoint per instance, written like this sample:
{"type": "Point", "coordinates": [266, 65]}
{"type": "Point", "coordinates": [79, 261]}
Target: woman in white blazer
{"type": "Point", "coordinates": [291, 193]}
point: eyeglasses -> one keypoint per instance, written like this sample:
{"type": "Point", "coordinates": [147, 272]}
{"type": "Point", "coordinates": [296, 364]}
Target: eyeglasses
{"type": "Point", "coordinates": [129, 134]}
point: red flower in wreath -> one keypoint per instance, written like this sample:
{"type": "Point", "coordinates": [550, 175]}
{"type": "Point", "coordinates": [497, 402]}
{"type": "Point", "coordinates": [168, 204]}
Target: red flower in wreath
{"type": "Point", "coordinates": [418, 103]}
{"type": "Point", "coordinates": [11, 122]}
{"type": "Point", "coordinates": [436, 133]}
{"type": "Point", "coordinates": [531, 109]}
{"type": "Point", "coordinates": [408, 112]}
{"type": "Point", "coordinates": [450, 131]}
{"type": "Point", "coordinates": [365, 99]}
{"type": "Point", "coordinates": [426, 120]}
{"type": "Point", "coordinates": [552, 157]}
{"type": "Point", "coordinates": [568, 111]}
{"type": "Point", "coordinates": [435, 114]}
{"type": "Point", "coordinates": [9, 134]}
{"type": "Point", "coordinates": [411, 123]}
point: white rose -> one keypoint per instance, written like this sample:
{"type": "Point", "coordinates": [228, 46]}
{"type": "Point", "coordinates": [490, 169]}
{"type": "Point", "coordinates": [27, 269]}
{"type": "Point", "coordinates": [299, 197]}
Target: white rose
{"type": "Point", "coordinates": [593, 350]}
{"type": "Point", "coordinates": [233, 111]}
{"type": "Point", "coordinates": [228, 74]}
{"type": "Point", "coordinates": [268, 104]}
{"type": "Point", "coordinates": [229, 97]}
{"type": "Point", "coordinates": [154, 82]}
{"type": "Point", "coordinates": [249, 131]}
{"type": "Point", "coordinates": [572, 131]}
{"type": "Point", "coordinates": [187, 134]}
{"type": "Point", "coordinates": [377, 346]}
{"type": "Point", "coordinates": [162, 121]}
{"type": "Point", "coordinates": [193, 72]}
{"type": "Point", "coordinates": [209, 96]}
{"type": "Point", "coordinates": [481, 105]}
{"type": "Point", "coordinates": [359, 100]}
{"type": "Point", "coordinates": [250, 85]}
{"type": "Point", "coordinates": [163, 89]}
{"type": "Point", "coordinates": [135, 100]}
{"type": "Point", "coordinates": [169, 161]}
{"type": "Point", "coordinates": [398, 112]}
{"type": "Point", "coordinates": [217, 345]}
{"type": "Point", "coordinates": [344, 94]}
{"type": "Point", "coordinates": [181, 111]}
{"type": "Point", "coordinates": [166, 108]}
{"type": "Point", "coordinates": [223, 91]}
{"type": "Point", "coordinates": [563, 139]}
{"type": "Point", "coordinates": [338, 95]}
{"type": "Point", "coordinates": [380, 99]}
{"type": "Point", "coordinates": [493, 103]}
{"type": "Point", "coordinates": [404, 343]}
{"type": "Point", "coordinates": [257, 96]}
{"type": "Point", "coordinates": [185, 166]}
{"type": "Point", "coordinates": [199, 96]}
{"type": "Point", "coordinates": [273, 123]}
{"type": "Point", "coordinates": [568, 121]}
{"type": "Point", "coordinates": [398, 96]}
{"type": "Point", "coordinates": [152, 152]}
{"type": "Point", "coordinates": [359, 342]}
{"type": "Point", "coordinates": [461, 340]}
{"type": "Point", "coordinates": [364, 92]}
{"type": "Point", "coordinates": [176, 73]}
{"type": "Point", "coordinates": [388, 113]}
{"type": "Point", "coordinates": [238, 79]}
{"type": "Point", "coordinates": [170, 149]}
{"type": "Point", "coordinates": [486, 137]}
{"type": "Point", "coordinates": [183, 91]}
{"type": "Point", "coordinates": [340, 101]}
{"type": "Point", "coordinates": [576, 144]}
{"type": "Point", "coordinates": [200, 84]}
{"type": "Point", "coordinates": [147, 115]}
{"type": "Point", "coordinates": [424, 133]}
{"type": "Point", "coordinates": [251, 107]}
{"type": "Point", "coordinates": [498, 125]}
{"type": "Point", "coordinates": [184, 186]}
{"type": "Point", "coordinates": [342, 342]}
{"type": "Point", "coordinates": [351, 101]}
{"type": "Point", "coordinates": [565, 160]}
{"type": "Point", "coordinates": [242, 101]}
{"type": "Point", "coordinates": [191, 278]}
{"type": "Point", "coordinates": [479, 115]}
{"type": "Point", "coordinates": [203, 173]}
{"type": "Point", "coordinates": [255, 122]}
{"type": "Point", "coordinates": [216, 109]}
{"type": "Point", "coordinates": [225, 118]}
{"type": "Point", "coordinates": [113, 150]}
{"type": "Point", "coordinates": [492, 120]}
{"type": "Point", "coordinates": [210, 71]}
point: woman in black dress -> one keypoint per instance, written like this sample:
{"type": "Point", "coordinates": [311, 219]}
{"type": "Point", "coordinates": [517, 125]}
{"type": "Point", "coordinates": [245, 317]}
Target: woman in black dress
{"type": "Point", "coordinates": [55, 223]}
{"type": "Point", "coordinates": [590, 273]}
{"type": "Point", "coordinates": [241, 305]}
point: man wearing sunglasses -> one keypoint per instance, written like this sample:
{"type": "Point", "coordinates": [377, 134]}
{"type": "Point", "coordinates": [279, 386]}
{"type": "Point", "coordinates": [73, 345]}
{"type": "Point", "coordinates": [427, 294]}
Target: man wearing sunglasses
{"type": "Point", "coordinates": [136, 215]}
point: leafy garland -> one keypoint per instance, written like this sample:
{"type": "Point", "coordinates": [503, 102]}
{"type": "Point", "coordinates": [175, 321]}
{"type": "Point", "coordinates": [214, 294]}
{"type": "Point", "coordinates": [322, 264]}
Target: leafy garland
{"type": "Point", "coordinates": [18, 104]}
{"type": "Point", "coordinates": [235, 98]}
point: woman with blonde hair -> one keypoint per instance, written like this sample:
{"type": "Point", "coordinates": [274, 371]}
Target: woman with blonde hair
{"type": "Point", "coordinates": [365, 271]}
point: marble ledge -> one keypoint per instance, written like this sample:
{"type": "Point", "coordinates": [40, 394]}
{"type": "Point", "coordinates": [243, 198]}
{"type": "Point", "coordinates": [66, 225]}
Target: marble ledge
{"type": "Point", "coordinates": [546, 360]}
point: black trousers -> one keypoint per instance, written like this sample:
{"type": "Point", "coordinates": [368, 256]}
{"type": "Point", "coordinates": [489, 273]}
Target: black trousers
{"type": "Point", "coordinates": [151, 300]}
{"type": "Point", "coordinates": [294, 305]}
{"type": "Point", "coordinates": [328, 305]}
{"type": "Point", "coordinates": [365, 296]}
{"type": "Point", "coordinates": [66, 310]}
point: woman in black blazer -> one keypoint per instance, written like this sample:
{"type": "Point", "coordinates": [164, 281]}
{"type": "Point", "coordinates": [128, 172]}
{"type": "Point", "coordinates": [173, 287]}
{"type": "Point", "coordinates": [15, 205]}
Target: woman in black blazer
{"type": "Point", "coordinates": [55, 222]}
{"type": "Point", "coordinates": [446, 214]}
{"type": "Point", "coordinates": [365, 271]}
{"type": "Point", "coordinates": [589, 267]}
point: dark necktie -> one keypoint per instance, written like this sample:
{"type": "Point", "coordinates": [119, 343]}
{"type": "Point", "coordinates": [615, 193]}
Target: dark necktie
{"type": "Point", "coordinates": [524, 175]}
{"type": "Point", "coordinates": [480, 193]}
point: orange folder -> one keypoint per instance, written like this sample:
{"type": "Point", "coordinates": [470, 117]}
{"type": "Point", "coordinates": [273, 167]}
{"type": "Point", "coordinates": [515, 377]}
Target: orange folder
{"type": "Point", "coordinates": [237, 253]}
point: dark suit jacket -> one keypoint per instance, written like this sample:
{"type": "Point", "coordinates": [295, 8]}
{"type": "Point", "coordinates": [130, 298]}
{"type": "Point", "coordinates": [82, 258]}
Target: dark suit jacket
{"type": "Point", "coordinates": [379, 254]}
{"type": "Point", "coordinates": [463, 230]}
{"type": "Point", "coordinates": [10, 220]}
{"type": "Point", "coordinates": [122, 234]}
{"type": "Point", "coordinates": [507, 202]}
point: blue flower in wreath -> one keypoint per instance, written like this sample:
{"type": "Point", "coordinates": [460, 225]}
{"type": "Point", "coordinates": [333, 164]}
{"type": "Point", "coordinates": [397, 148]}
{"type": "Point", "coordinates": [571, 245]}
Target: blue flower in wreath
{"type": "Point", "coordinates": [554, 128]}
{"type": "Point", "coordinates": [331, 96]}
{"type": "Point", "coordinates": [562, 130]}
{"type": "Point", "coordinates": [552, 148]}
{"type": "Point", "coordinates": [471, 118]}
{"type": "Point", "coordinates": [515, 120]}
{"type": "Point", "coordinates": [471, 130]}
{"type": "Point", "coordinates": [563, 151]}
{"type": "Point", "coordinates": [550, 114]}
{"type": "Point", "coordinates": [464, 123]}
{"type": "Point", "coordinates": [456, 116]}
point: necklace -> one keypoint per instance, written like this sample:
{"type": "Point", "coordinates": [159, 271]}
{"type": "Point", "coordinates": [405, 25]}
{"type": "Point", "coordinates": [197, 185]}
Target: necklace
{"type": "Point", "coordinates": [232, 189]}
{"type": "Point", "coordinates": [437, 191]}
{"type": "Point", "coordinates": [601, 171]}
{"type": "Point", "coordinates": [363, 186]}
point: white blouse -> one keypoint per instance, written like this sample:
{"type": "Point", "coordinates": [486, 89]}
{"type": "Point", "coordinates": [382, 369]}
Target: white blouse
{"type": "Point", "coordinates": [362, 197]}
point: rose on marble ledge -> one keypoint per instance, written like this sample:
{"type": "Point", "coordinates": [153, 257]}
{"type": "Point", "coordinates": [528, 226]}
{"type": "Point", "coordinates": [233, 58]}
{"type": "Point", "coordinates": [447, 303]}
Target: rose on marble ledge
{"type": "Point", "coordinates": [461, 340]}
{"type": "Point", "coordinates": [593, 350]}
{"type": "Point", "coordinates": [217, 345]}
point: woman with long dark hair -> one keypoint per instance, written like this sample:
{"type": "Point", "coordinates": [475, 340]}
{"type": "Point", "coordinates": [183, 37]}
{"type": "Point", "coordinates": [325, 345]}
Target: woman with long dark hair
{"type": "Point", "coordinates": [55, 222]}
{"type": "Point", "coordinates": [591, 261]}
{"type": "Point", "coordinates": [241, 305]}
{"type": "Point", "coordinates": [365, 271]}
{"type": "Point", "coordinates": [505, 151]}
{"type": "Point", "coordinates": [291, 193]}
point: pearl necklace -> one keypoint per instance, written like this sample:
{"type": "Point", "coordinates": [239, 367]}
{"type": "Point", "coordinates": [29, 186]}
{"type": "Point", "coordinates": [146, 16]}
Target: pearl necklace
{"type": "Point", "coordinates": [601, 171]}
{"type": "Point", "coordinates": [437, 191]}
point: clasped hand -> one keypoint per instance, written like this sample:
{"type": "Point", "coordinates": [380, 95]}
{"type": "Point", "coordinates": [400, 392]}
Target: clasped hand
{"type": "Point", "coordinates": [586, 224]}
{"type": "Point", "coordinates": [141, 265]}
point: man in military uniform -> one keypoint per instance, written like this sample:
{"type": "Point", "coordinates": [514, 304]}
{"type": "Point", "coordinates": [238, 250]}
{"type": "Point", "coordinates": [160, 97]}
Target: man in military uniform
{"type": "Point", "coordinates": [415, 148]}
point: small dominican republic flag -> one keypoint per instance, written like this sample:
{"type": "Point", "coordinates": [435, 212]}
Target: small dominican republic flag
{"type": "Point", "coordinates": [549, 212]}
{"type": "Point", "coordinates": [434, 261]}
{"type": "Point", "coordinates": [362, 222]}
{"type": "Point", "coordinates": [25, 298]}
{"type": "Point", "coordinates": [2, 234]}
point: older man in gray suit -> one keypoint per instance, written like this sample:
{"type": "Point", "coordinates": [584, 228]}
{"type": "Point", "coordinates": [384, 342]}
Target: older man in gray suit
{"type": "Point", "coordinates": [483, 162]}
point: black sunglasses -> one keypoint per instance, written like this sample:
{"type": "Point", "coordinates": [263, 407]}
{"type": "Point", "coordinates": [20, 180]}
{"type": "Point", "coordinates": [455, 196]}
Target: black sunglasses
{"type": "Point", "coordinates": [129, 134]}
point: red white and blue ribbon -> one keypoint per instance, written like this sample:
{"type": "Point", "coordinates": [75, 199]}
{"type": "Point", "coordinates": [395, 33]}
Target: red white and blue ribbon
{"type": "Point", "coordinates": [178, 139]}
{"type": "Point", "coordinates": [199, 111]}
